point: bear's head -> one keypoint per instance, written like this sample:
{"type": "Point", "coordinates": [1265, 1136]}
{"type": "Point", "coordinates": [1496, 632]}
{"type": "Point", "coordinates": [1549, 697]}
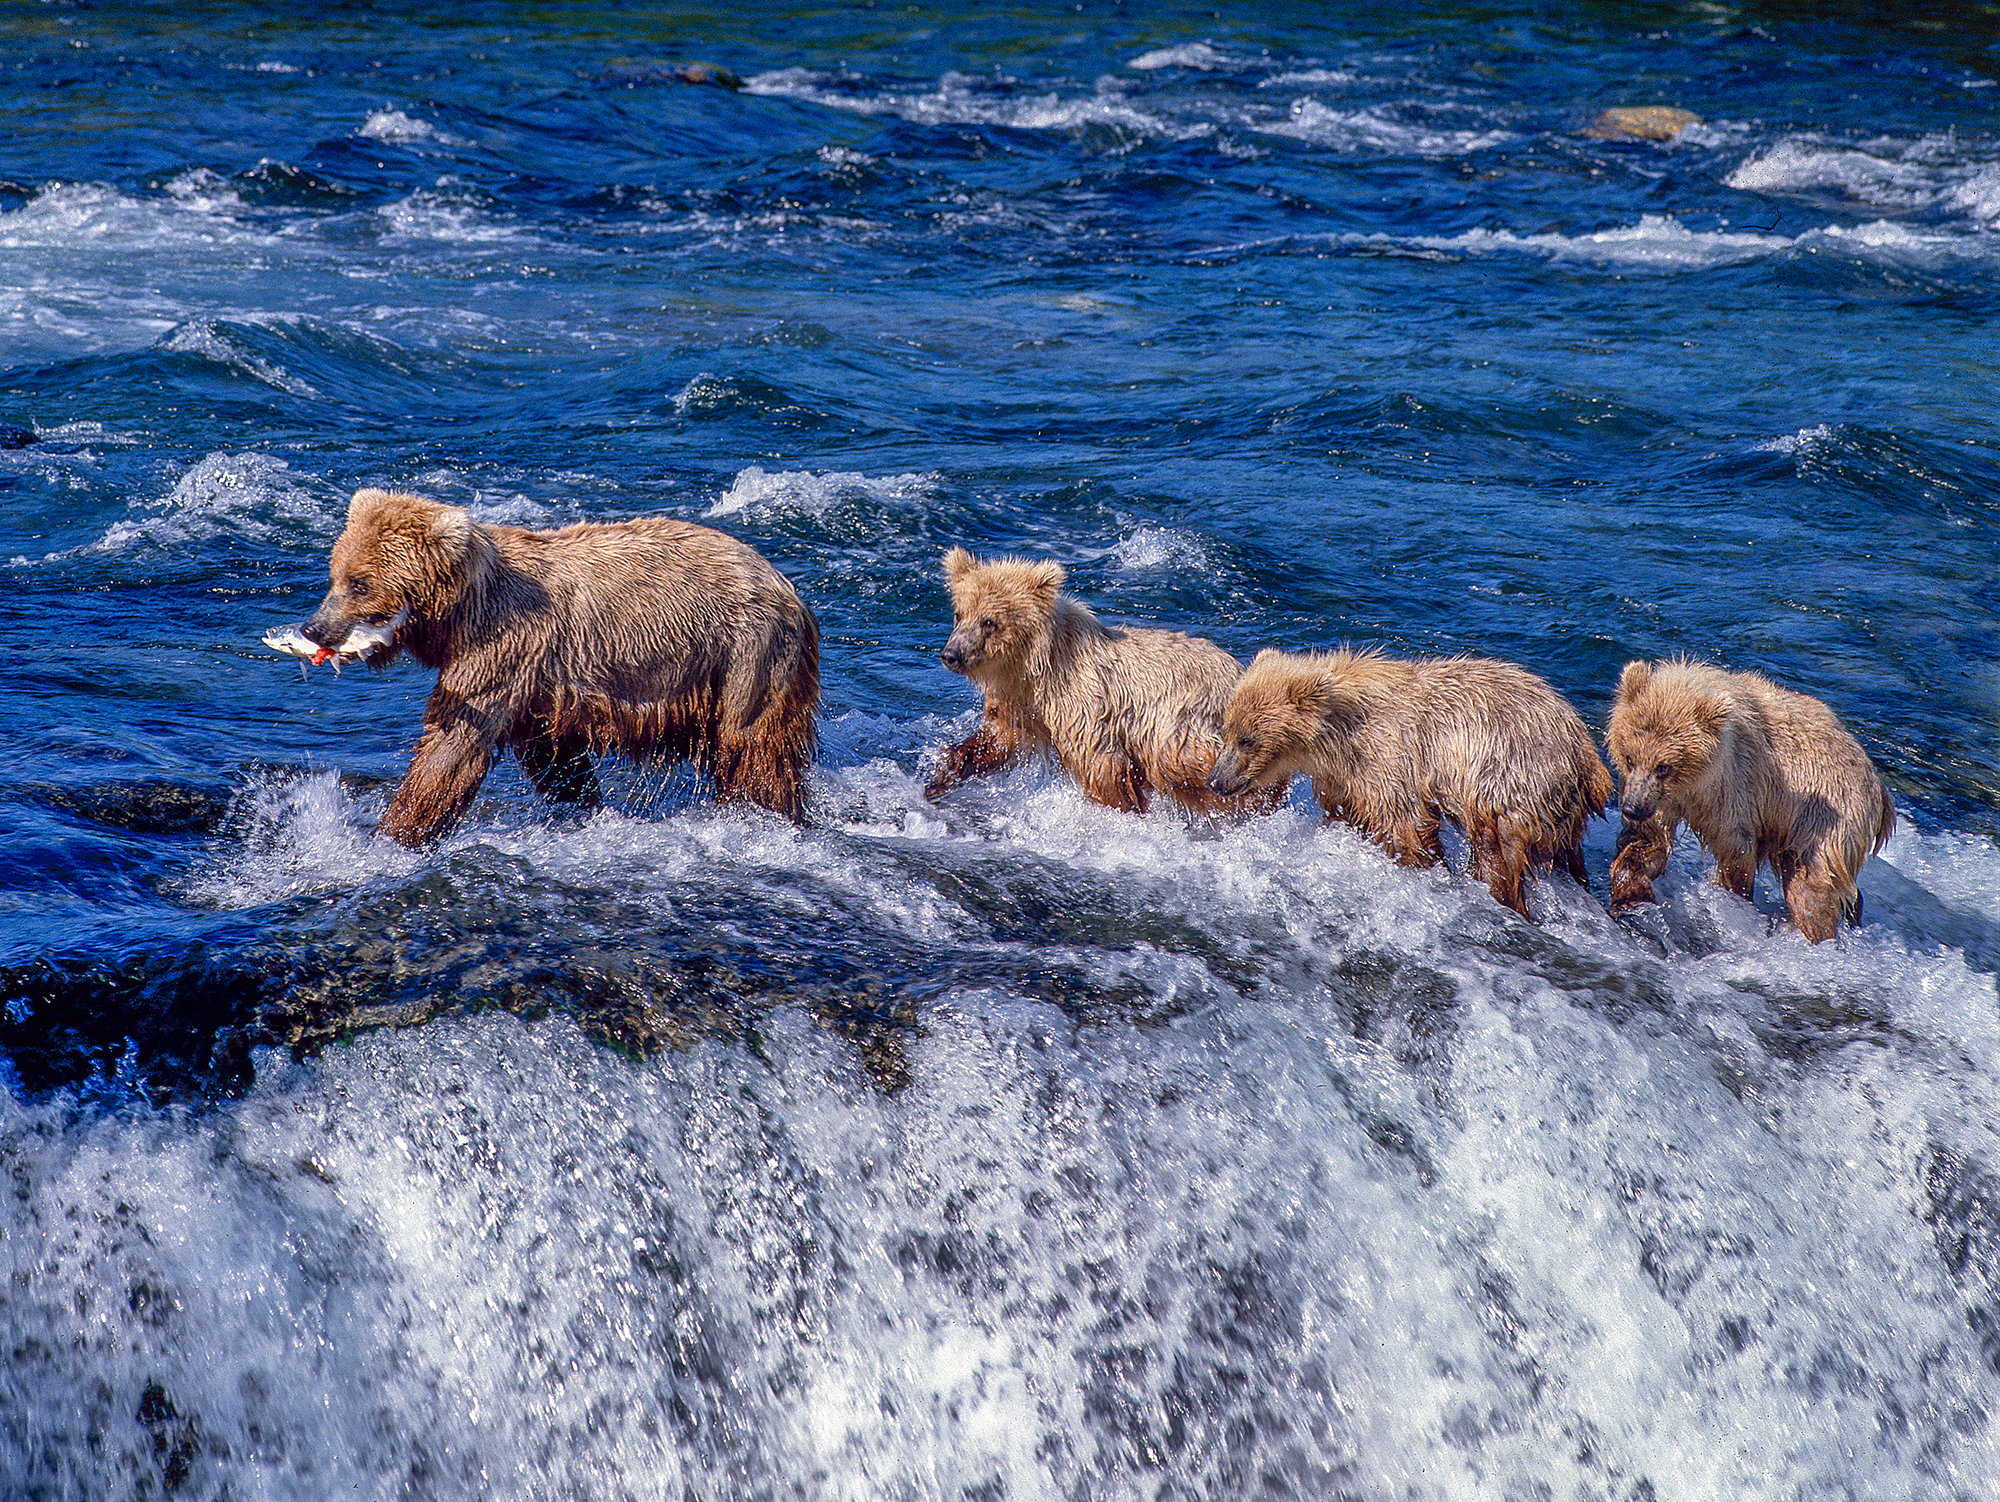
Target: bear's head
{"type": "Point", "coordinates": [401, 560]}
{"type": "Point", "coordinates": [1001, 612]}
{"type": "Point", "coordinates": [1666, 731]}
{"type": "Point", "coordinates": [1278, 710]}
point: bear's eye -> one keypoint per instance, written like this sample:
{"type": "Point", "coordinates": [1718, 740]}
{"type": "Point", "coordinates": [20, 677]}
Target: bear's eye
{"type": "Point", "coordinates": [1664, 770]}
{"type": "Point", "coordinates": [1246, 743]}
{"type": "Point", "coordinates": [358, 586]}
{"type": "Point", "coordinates": [987, 623]}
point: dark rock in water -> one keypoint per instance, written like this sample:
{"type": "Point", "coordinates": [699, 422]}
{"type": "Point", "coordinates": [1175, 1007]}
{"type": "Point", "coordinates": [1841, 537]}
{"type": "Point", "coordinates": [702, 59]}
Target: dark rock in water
{"type": "Point", "coordinates": [283, 185]}
{"type": "Point", "coordinates": [633, 72]}
{"type": "Point", "coordinates": [148, 807]}
{"type": "Point", "coordinates": [177, 1441]}
{"type": "Point", "coordinates": [12, 437]}
{"type": "Point", "coordinates": [1644, 122]}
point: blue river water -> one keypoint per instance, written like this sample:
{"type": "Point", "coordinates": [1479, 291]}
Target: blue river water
{"type": "Point", "coordinates": [1004, 1147]}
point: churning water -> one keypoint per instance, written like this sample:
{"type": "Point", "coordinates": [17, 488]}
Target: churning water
{"type": "Point", "coordinates": [1004, 1148]}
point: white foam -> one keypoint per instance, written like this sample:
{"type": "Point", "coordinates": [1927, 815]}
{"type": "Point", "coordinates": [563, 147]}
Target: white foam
{"type": "Point", "coordinates": [1161, 547]}
{"type": "Point", "coordinates": [962, 99]}
{"type": "Point", "coordinates": [1657, 242]}
{"type": "Point", "coordinates": [804, 492]}
{"type": "Point", "coordinates": [1373, 131]}
{"type": "Point", "coordinates": [1308, 77]}
{"type": "Point", "coordinates": [82, 215]}
{"type": "Point", "coordinates": [1197, 55]}
{"type": "Point", "coordinates": [248, 495]}
{"type": "Point", "coordinates": [201, 337]}
{"type": "Point", "coordinates": [1803, 441]}
{"type": "Point", "coordinates": [1900, 176]}
{"type": "Point", "coordinates": [297, 834]}
{"type": "Point", "coordinates": [397, 128]}
{"type": "Point", "coordinates": [1376, 1167]}
{"type": "Point", "coordinates": [1978, 196]}
{"type": "Point", "coordinates": [204, 190]}
{"type": "Point", "coordinates": [1797, 164]}
{"type": "Point", "coordinates": [430, 215]}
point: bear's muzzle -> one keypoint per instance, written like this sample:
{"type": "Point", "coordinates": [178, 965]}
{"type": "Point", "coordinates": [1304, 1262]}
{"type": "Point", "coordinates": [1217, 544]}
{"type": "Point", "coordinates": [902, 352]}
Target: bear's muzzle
{"type": "Point", "coordinates": [1226, 779]}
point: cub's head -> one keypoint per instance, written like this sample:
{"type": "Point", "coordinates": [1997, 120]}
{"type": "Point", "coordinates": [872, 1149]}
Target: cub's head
{"type": "Point", "coordinates": [401, 558]}
{"type": "Point", "coordinates": [1001, 611]}
{"type": "Point", "coordinates": [1665, 731]}
{"type": "Point", "coordinates": [1279, 706]}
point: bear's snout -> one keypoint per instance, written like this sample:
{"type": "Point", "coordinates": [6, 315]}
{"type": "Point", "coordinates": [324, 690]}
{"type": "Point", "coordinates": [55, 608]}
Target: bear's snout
{"type": "Point", "coordinates": [1641, 800]}
{"type": "Point", "coordinates": [1227, 779]}
{"type": "Point", "coordinates": [328, 625]}
{"type": "Point", "coordinates": [961, 651]}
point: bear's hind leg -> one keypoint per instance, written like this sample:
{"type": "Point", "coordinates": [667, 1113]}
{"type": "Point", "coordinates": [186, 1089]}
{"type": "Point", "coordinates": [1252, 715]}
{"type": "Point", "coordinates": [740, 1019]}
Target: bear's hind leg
{"type": "Point", "coordinates": [1114, 780]}
{"type": "Point", "coordinates": [770, 773]}
{"type": "Point", "coordinates": [562, 772]}
{"type": "Point", "coordinates": [1500, 859]}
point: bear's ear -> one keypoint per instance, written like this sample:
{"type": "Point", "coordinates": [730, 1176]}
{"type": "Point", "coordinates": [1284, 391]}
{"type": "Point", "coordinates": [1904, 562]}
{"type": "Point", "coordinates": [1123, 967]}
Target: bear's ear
{"type": "Point", "coordinates": [1045, 579]}
{"type": "Point", "coordinates": [365, 500]}
{"type": "Point", "coordinates": [957, 564]}
{"type": "Point", "coordinates": [1632, 682]}
{"type": "Point", "coordinates": [1321, 696]}
{"type": "Point", "coordinates": [1711, 712]}
{"type": "Point", "coordinates": [452, 526]}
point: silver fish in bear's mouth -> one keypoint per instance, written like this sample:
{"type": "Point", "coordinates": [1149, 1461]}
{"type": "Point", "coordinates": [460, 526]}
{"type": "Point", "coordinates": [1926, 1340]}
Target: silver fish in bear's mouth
{"type": "Point", "coordinates": [356, 645]}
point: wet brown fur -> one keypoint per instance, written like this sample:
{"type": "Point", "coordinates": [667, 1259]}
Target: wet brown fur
{"type": "Point", "coordinates": [1397, 748]}
{"type": "Point", "coordinates": [1127, 712]}
{"type": "Point", "coordinates": [651, 637]}
{"type": "Point", "coordinates": [1762, 775]}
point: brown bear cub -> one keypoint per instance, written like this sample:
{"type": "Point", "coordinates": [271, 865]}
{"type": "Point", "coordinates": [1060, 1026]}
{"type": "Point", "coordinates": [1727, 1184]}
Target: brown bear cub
{"type": "Point", "coordinates": [1761, 774]}
{"type": "Point", "coordinates": [1127, 712]}
{"type": "Point", "coordinates": [651, 637]}
{"type": "Point", "coordinates": [1398, 748]}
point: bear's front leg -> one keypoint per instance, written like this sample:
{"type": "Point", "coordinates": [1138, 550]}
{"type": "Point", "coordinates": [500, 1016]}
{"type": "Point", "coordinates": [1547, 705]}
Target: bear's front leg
{"type": "Point", "coordinates": [986, 751]}
{"type": "Point", "coordinates": [451, 761]}
{"type": "Point", "coordinates": [1816, 898]}
{"type": "Point", "coordinates": [1643, 848]}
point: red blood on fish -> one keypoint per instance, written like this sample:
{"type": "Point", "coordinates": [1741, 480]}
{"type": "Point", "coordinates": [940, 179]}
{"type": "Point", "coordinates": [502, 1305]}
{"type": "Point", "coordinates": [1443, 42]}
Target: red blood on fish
{"type": "Point", "coordinates": [321, 655]}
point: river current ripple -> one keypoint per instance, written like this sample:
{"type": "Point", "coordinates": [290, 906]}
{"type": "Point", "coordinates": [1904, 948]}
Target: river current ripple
{"type": "Point", "coordinates": [1007, 1147]}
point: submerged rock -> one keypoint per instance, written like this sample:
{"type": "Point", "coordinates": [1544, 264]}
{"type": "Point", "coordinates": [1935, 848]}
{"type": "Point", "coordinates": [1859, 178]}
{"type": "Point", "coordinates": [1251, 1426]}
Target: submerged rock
{"type": "Point", "coordinates": [1642, 122]}
{"type": "Point", "coordinates": [633, 72]}
{"type": "Point", "coordinates": [12, 437]}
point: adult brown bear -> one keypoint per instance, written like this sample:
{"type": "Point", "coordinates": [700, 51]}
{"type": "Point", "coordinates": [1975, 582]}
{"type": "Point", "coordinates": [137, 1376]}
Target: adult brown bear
{"type": "Point", "coordinates": [651, 637]}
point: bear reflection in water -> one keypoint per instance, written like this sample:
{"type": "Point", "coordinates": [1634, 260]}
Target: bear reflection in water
{"type": "Point", "coordinates": [651, 637]}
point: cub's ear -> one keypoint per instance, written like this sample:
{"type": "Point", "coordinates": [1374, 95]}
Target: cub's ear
{"type": "Point", "coordinates": [1045, 579]}
{"type": "Point", "coordinates": [1632, 682]}
{"type": "Point", "coordinates": [957, 564]}
{"type": "Point", "coordinates": [365, 500]}
{"type": "Point", "coordinates": [1711, 712]}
